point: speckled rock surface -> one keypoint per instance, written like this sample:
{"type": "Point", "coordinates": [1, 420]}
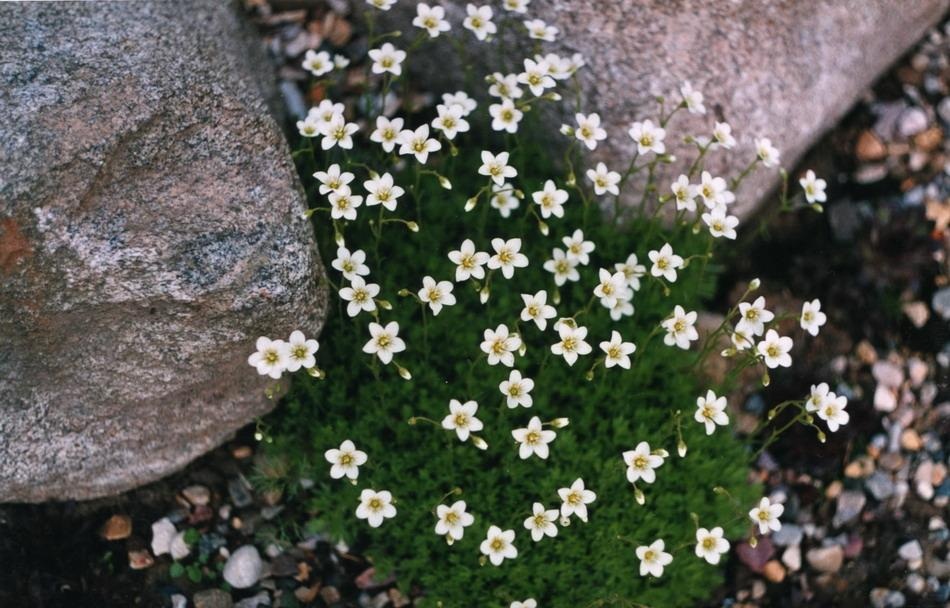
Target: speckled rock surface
{"type": "Point", "coordinates": [149, 232]}
{"type": "Point", "coordinates": [783, 69]}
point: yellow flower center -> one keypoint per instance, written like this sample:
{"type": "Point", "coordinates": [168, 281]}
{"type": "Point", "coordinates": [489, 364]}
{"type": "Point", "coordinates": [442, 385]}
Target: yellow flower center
{"type": "Point", "coordinates": [375, 504]}
{"type": "Point", "coordinates": [569, 344]}
{"type": "Point", "coordinates": [532, 437]}
{"type": "Point", "coordinates": [271, 356]}
{"type": "Point", "coordinates": [497, 544]}
{"type": "Point", "coordinates": [461, 420]}
{"type": "Point", "coordinates": [346, 460]}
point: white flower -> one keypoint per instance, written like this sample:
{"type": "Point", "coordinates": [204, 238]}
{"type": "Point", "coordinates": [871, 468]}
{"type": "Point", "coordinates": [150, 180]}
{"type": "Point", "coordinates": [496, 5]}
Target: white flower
{"type": "Point", "coordinates": [308, 127]}
{"type": "Point", "coordinates": [517, 390]}
{"type": "Point", "coordinates": [505, 116]}
{"type": "Point", "coordinates": [436, 294]}
{"type": "Point", "coordinates": [333, 179]}
{"type": "Point", "coordinates": [604, 181]}
{"type": "Point", "coordinates": [692, 99]}
{"type": "Point", "coordinates": [375, 507]}
{"type": "Point", "coordinates": [618, 352]}
{"type": "Point", "coordinates": [300, 351]}
{"type": "Point", "coordinates": [812, 318]}
{"type": "Point", "coordinates": [710, 545]}
{"type": "Point", "coordinates": [774, 350]}
{"type": "Point", "coordinates": [665, 263]}
{"type": "Point", "coordinates": [720, 223]}
{"type": "Point", "coordinates": [612, 287]}
{"type": "Point", "coordinates": [498, 545]}
{"type": "Point", "coordinates": [710, 411]}
{"type": "Point", "coordinates": [753, 317]}
{"type": "Point", "coordinates": [516, 6]}
{"type": "Point", "coordinates": [383, 5]}
{"type": "Point", "coordinates": [653, 558]}
{"type": "Point", "coordinates": [740, 339]}
{"type": "Point", "coordinates": [461, 419]}
{"type": "Point", "coordinates": [680, 328]}
{"type": "Point", "coordinates": [767, 153]}
{"type": "Point", "coordinates": [385, 341]}
{"type": "Point", "coordinates": [571, 343]}
{"type": "Point", "coordinates": [562, 267]}
{"type": "Point", "coordinates": [537, 309]}
{"type": "Point", "coordinates": [551, 200]}
{"type": "Point", "coordinates": [496, 167]}
{"type": "Point", "coordinates": [271, 357]}
{"type": "Point", "coordinates": [541, 523]}
{"type": "Point", "coordinates": [649, 138]}
{"type": "Point", "coordinates": [338, 132]}
{"type": "Point", "coordinates": [382, 191]}
{"type": "Point", "coordinates": [536, 77]}
{"type": "Point", "coordinates": [641, 463]}
{"type": "Point", "coordinates": [479, 21]}
{"type": "Point", "coordinates": [431, 19]}
{"type": "Point", "coordinates": [814, 188]}
{"type": "Point", "coordinates": [832, 411]}
{"type": "Point", "coordinates": [539, 30]}
{"type": "Point", "coordinates": [713, 191]}
{"type": "Point", "coordinates": [507, 256]}
{"type": "Point", "coordinates": [818, 397]}
{"type": "Point", "coordinates": [418, 143]}
{"type": "Point", "coordinates": [351, 264]}
{"type": "Point", "coordinates": [387, 58]}
{"type": "Point", "coordinates": [360, 296]}
{"type": "Point", "coordinates": [623, 308]}
{"type": "Point", "coordinates": [766, 516]}
{"type": "Point", "coordinates": [387, 132]}
{"type": "Point", "coordinates": [453, 520]}
{"type": "Point", "coordinates": [534, 439]}
{"type": "Point", "coordinates": [574, 500]}
{"type": "Point", "coordinates": [500, 346]}
{"type": "Point", "coordinates": [632, 270]}
{"type": "Point", "coordinates": [722, 136]}
{"type": "Point", "coordinates": [503, 199]}
{"type": "Point", "coordinates": [317, 64]}
{"type": "Point", "coordinates": [461, 99]}
{"type": "Point", "coordinates": [346, 460]}
{"type": "Point", "coordinates": [577, 248]}
{"type": "Point", "coordinates": [450, 120]}
{"type": "Point", "coordinates": [530, 602]}
{"type": "Point", "coordinates": [589, 130]}
{"type": "Point", "coordinates": [504, 86]}
{"type": "Point", "coordinates": [325, 112]}
{"type": "Point", "coordinates": [468, 262]}
{"type": "Point", "coordinates": [343, 203]}
{"type": "Point", "coordinates": [684, 193]}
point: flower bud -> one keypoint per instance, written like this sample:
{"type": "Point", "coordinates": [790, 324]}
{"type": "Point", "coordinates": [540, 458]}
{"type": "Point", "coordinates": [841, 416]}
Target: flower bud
{"type": "Point", "coordinates": [404, 292]}
{"type": "Point", "coordinates": [728, 352]}
{"type": "Point", "coordinates": [571, 180]}
{"type": "Point", "coordinates": [338, 237]}
{"type": "Point", "coordinates": [567, 130]}
{"type": "Point", "coordinates": [305, 215]}
{"type": "Point", "coordinates": [412, 226]}
{"type": "Point", "coordinates": [560, 423]}
{"type": "Point", "coordinates": [639, 496]}
{"type": "Point", "coordinates": [754, 284]}
{"type": "Point", "coordinates": [470, 203]}
{"type": "Point", "coordinates": [753, 542]}
{"type": "Point", "coordinates": [522, 349]}
{"type": "Point", "coordinates": [681, 448]}
{"type": "Point", "coordinates": [590, 375]}
{"type": "Point", "coordinates": [445, 183]}
{"type": "Point", "coordinates": [480, 443]}
{"type": "Point", "coordinates": [661, 452]}
{"type": "Point", "coordinates": [316, 372]}
{"type": "Point", "coordinates": [384, 304]}
{"type": "Point", "coordinates": [766, 380]}
{"type": "Point", "coordinates": [543, 227]}
{"type": "Point", "coordinates": [821, 436]}
{"type": "Point", "coordinates": [404, 373]}
{"type": "Point", "coordinates": [449, 540]}
{"type": "Point", "coordinates": [519, 194]}
{"type": "Point", "coordinates": [484, 294]}
{"type": "Point", "coordinates": [565, 522]}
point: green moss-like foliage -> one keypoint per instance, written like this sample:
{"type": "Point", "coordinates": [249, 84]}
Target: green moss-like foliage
{"type": "Point", "coordinates": [587, 563]}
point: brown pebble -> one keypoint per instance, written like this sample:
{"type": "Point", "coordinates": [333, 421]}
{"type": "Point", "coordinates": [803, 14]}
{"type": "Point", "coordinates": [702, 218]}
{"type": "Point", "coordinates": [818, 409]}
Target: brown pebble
{"type": "Point", "coordinates": [242, 452]}
{"type": "Point", "coordinates": [117, 527]}
{"type": "Point", "coordinates": [774, 571]}
{"type": "Point", "coordinates": [869, 147]}
{"type": "Point", "coordinates": [929, 139]}
{"type": "Point", "coordinates": [834, 488]}
{"type": "Point", "coordinates": [859, 468]}
{"type": "Point", "coordinates": [891, 461]}
{"type": "Point", "coordinates": [140, 559]}
{"type": "Point", "coordinates": [866, 353]}
{"type": "Point", "coordinates": [911, 441]}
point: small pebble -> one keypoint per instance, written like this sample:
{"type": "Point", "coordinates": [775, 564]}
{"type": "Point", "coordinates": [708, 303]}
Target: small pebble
{"type": "Point", "coordinates": [179, 601]}
{"type": "Point", "coordinates": [212, 598]}
{"type": "Point", "coordinates": [849, 505]}
{"type": "Point", "coordinates": [826, 559]}
{"type": "Point", "coordinates": [197, 495]}
{"type": "Point", "coordinates": [888, 373]}
{"type": "Point", "coordinates": [912, 553]}
{"type": "Point", "coordinates": [792, 558]}
{"type": "Point", "coordinates": [243, 568]}
{"type": "Point", "coordinates": [885, 399]}
{"type": "Point", "coordinates": [941, 303]}
{"type": "Point", "coordinates": [911, 122]}
{"type": "Point", "coordinates": [163, 532]}
{"type": "Point", "coordinates": [911, 441]}
{"type": "Point", "coordinates": [140, 559]}
{"type": "Point", "coordinates": [117, 527]}
{"type": "Point", "coordinates": [774, 571]}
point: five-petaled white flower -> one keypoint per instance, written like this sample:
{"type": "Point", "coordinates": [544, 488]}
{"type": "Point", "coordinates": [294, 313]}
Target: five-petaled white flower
{"type": "Point", "coordinates": [383, 191]}
{"type": "Point", "coordinates": [360, 295]}
{"type": "Point", "coordinates": [431, 19]}
{"type": "Point", "coordinates": [270, 358]}
{"type": "Point", "coordinates": [516, 6]}
{"type": "Point", "coordinates": [375, 507]}
{"type": "Point", "coordinates": [767, 153]}
{"type": "Point", "coordinates": [578, 249]}
{"type": "Point", "coordinates": [453, 520]}
{"type": "Point", "coordinates": [539, 30]}
{"type": "Point", "coordinates": [641, 463]}
{"type": "Point", "coordinates": [632, 269]}
{"type": "Point", "coordinates": [722, 136]}
{"type": "Point", "coordinates": [468, 262]}
{"type": "Point", "coordinates": [450, 120]}
{"type": "Point", "coordinates": [604, 180]}
{"type": "Point", "coordinates": [692, 99]}
{"type": "Point", "coordinates": [818, 396]}
{"type": "Point", "coordinates": [308, 127]}
{"type": "Point", "coordinates": [343, 203]}
{"type": "Point", "coordinates": [649, 137]}
{"type": "Point", "coordinates": [503, 199]}
{"type": "Point", "coordinates": [814, 187]}
{"type": "Point", "coordinates": [301, 351]}
{"type": "Point", "coordinates": [536, 77]}
{"type": "Point", "coordinates": [623, 308]}
{"type": "Point", "coordinates": [766, 516]}
{"type": "Point", "coordinates": [333, 178]}
{"type": "Point", "coordinates": [617, 351]}
{"type": "Point", "coordinates": [753, 317]}
{"type": "Point", "coordinates": [387, 58]}
{"type": "Point", "coordinates": [574, 500]}
{"type": "Point", "coordinates": [589, 130]}
{"type": "Point", "coordinates": [710, 545]}
{"type": "Point", "coordinates": [653, 558]}
{"type": "Point", "coordinates": [517, 390]}
{"type": "Point", "coordinates": [350, 264]}
{"type": "Point", "coordinates": [534, 439]}
{"type": "Point", "coordinates": [460, 98]}
{"type": "Point", "coordinates": [829, 406]}
{"type": "Point", "coordinates": [680, 328]}
{"type": "Point", "coordinates": [316, 63]}
{"type": "Point", "coordinates": [325, 112]}
{"type": "Point", "coordinates": [812, 318]}
{"type": "Point", "coordinates": [710, 411]}
{"type": "Point", "coordinates": [713, 191]}
{"type": "Point", "coordinates": [346, 460]}
{"type": "Point", "coordinates": [436, 294]}
{"type": "Point", "coordinates": [774, 350]}
{"type": "Point", "coordinates": [612, 286]}
{"type": "Point", "coordinates": [387, 132]}
{"type": "Point", "coordinates": [496, 167]}
{"type": "Point", "coordinates": [720, 223]}
{"type": "Point", "coordinates": [562, 267]}
{"type": "Point", "coordinates": [684, 193]}
{"type": "Point", "coordinates": [665, 263]}
{"type": "Point", "coordinates": [338, 132]}
{"type": "Point", "coordinates": [507, 256]}
{"type": "Point", "coordinates": [500, 345]}
{"type": "Point", "coordinates": [479, 22]}
{"type": "Point", "coordinates": [461, 419]}
{"type": "Point", "coordinates": [504, 86]}
{"type": "Point", "coordinates": [499, 545]}
{"type": "Point", "coordinates": [505, 116]}
{"type": "Point", "coordinates": [571, 343]}
{"type": "Point", "coordinates": [541, 523]}
{"type": "Point", "coordinates": [418, 143]}
{"type": "Point", "coordinates": [551, 199]}
{"type": "Point", "coordinates": [537, 309]}
{"type": "Point", "coordinates": [384, 341]}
